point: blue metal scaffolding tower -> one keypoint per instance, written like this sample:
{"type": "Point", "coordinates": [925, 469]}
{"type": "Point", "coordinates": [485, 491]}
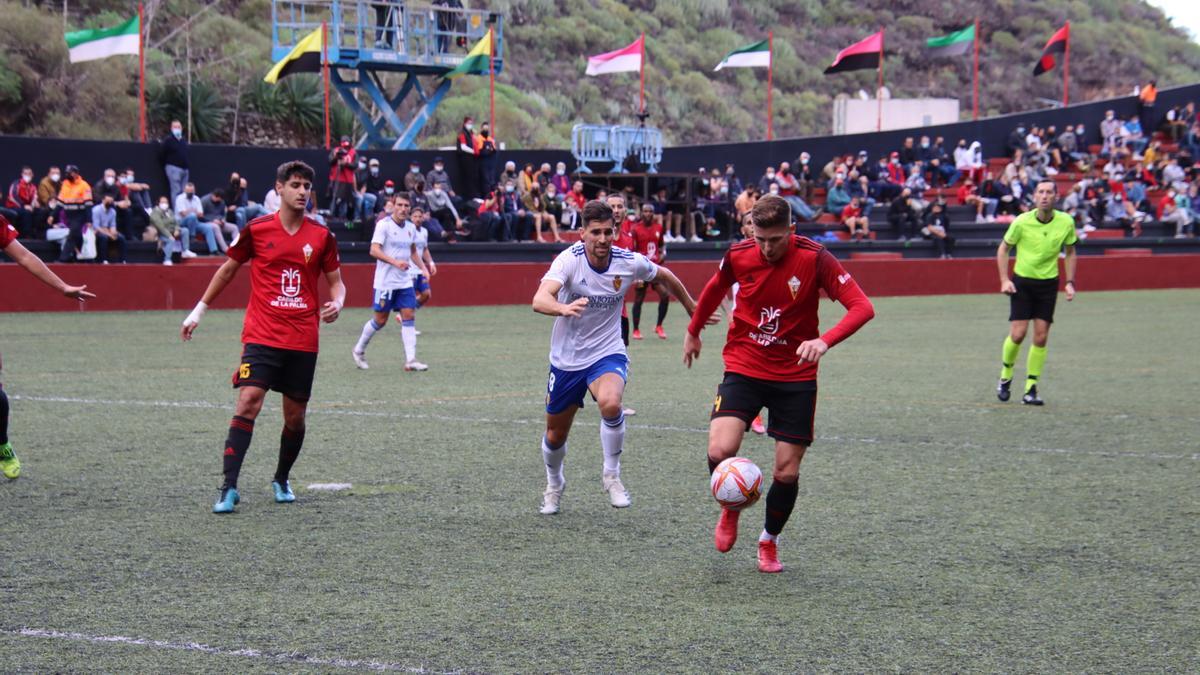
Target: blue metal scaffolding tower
{"type": "Point", "coordinates": [368, 38]}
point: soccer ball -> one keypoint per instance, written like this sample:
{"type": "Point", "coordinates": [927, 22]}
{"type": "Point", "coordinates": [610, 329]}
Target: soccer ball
{"type": "Point", "coordinates": [736, 483]}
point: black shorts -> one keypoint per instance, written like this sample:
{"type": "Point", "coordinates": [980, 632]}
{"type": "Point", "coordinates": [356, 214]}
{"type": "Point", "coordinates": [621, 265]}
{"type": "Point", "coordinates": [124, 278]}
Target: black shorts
{"type": "Point", "coordinates": [1034, 299]}
{"type": "Point", "coordinates": [286, 371]}
{"type": "Point", "coordinates": [791, 405]}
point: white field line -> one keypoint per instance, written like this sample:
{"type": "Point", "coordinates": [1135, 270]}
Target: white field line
{"type": "Point", "coordinates": [966, 445]}
{"type": "Point", "coordinates": [284, 658]}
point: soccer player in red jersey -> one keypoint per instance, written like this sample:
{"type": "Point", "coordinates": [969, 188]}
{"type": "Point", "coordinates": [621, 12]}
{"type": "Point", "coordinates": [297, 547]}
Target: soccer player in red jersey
{"type": "Point", "coordinates": [288, 254]}
{"type": "Point", "coordinates": [10, 466]}
{"type": "Point", "coordinates": [624, 239]}
{"type": "Point", "coordinates": [771, 354]}
{"type": "Point", "coordinates": [648, 240]}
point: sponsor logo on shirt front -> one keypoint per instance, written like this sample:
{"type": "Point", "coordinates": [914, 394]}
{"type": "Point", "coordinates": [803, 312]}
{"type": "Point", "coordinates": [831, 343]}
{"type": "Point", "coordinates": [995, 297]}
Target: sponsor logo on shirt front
{"type": "Point", "coordinates": [289, 291]}
{"type": "Point", "coordinates": [768, 325]}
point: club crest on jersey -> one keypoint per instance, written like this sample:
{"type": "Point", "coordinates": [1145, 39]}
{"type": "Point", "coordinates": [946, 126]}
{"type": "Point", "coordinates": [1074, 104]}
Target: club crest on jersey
{"type": "Point", "coordinates": [617, 283]}
{"type": "Point", "coordinates": [794, 286]}
{"type": "Point", "coordinates": [308, 251]}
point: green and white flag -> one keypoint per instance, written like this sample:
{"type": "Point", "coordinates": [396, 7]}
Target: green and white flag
{"type": "Point", "coordinates": [955, 44]}
{"type": "Point", "coordinates": [757, 55]}
{"type": "Point", "coordinates": [89, 45]}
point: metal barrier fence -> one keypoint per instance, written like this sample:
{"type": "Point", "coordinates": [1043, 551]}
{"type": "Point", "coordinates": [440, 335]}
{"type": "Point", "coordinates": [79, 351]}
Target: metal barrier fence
{"type": "Point", "coordinates": [609, 143]}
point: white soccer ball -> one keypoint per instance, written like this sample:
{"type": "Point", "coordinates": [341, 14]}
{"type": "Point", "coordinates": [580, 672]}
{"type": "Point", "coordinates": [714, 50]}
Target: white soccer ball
{"type": "Point", "coordinates": [736, 483]}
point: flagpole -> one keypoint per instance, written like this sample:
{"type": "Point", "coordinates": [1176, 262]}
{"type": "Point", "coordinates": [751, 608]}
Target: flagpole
{"type": "Point", "coordinates": [492, 80]}
{"type": "Point", "coordinates": [1067, 69]}
{"type": "Point", "coordinates": [770, 70]}
{"type": "Point", "coordinates": [879, 89]}
{"type": "Point", "coordinates": [141, 75]}
{"type": "Point", "coordinates": [642, 75]}
{"type": "Point", "coordinates": [975, 116]}
{"type": "Point", "coordinates": [325, 71]}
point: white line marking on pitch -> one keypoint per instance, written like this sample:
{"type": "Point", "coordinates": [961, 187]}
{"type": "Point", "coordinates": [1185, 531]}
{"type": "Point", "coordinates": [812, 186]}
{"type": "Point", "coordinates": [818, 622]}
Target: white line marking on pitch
{"type": "Point", "coordinates": [301, 659]}
{"type": "Point", "coordinates": [209, 405]}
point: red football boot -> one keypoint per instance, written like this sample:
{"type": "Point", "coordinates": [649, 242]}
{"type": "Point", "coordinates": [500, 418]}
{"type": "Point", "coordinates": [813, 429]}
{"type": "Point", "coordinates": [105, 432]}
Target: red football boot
{"type": "Point", "coordinates": [768, 558]}
{"type": "Point", "coordinates": [727, 529]}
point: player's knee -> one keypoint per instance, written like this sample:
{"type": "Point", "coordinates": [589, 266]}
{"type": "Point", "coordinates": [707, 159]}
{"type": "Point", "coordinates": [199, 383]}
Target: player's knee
{"type": "Point", "coordinates": [786, 474]}
{"type": "Point", "coordinates": [556, 438]}
{"type": "Point", "coordinates": [249, 404]}
{"type": "Point", "coordinates": [610, 406]}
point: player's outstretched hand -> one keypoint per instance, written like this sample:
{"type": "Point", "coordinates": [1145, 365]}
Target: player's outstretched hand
{"type": "Point", "coordinates": [1007, 287]}
{"type": "Point", "coordinates": [811, 350]}
{"type": "Point", "coordinates": [80, 293]}
{"type": "Point", "coordinates": [185, 333]}
{"type": "Point", "coordinates": [691, 348]}
{"type": "Point", "coordinates": [330, 312]}
{"type": "Point", "coordinates": [575, 308]}
{"type": "Point", "coordinates": [1070, 291]}
{"type": "Point", "coordinates": [432, 269]}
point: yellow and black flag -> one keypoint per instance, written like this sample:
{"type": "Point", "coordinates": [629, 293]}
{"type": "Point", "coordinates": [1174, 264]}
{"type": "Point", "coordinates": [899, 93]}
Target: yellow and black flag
{"type": "Point", "coordinates": [305, 57]}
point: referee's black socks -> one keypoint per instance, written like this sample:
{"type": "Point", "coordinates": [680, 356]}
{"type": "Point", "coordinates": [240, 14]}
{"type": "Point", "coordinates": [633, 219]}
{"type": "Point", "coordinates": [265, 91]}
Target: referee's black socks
{"type": "Point", "coordinates": [241, 430]}
{"type": "Point", "coordinates": [781, 499]}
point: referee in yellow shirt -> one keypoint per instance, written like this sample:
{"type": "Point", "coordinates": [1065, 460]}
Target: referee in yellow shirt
{"type": "Point", "coordinates": [1039, 236]}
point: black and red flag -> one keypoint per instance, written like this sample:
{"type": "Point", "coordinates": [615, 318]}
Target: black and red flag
{"type": "Point", "coordinates": [861, 55]}
{"type": "Point", "coordinates": [1058, 44]}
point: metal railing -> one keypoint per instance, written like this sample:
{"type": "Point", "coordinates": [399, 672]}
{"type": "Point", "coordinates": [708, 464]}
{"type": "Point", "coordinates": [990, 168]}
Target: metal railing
{"type": "Point", "coordinates": [608, 143]}
{"type": "Point", "coordinates": [387, 31]}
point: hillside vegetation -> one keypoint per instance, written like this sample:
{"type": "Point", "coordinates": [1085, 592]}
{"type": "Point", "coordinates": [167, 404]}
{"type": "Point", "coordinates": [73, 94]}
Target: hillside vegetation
{"type": "Point", "coordinates": [543, 92]}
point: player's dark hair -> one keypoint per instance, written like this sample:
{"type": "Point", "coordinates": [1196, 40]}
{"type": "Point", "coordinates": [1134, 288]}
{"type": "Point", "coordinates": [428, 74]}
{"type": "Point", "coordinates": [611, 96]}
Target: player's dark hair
{"type": "Point", "coordinates": [596, 211]}
{"type": "Point", "coordinates": [294, 168]}
{"type": "Point", "coordinates": [403, 195]}
{"type": "Point", "coordinates": [771, 211]}
{"type": "Point", "coordinates": [617, 195]}
{"type": "Point", "coordinates": [1054, 184]}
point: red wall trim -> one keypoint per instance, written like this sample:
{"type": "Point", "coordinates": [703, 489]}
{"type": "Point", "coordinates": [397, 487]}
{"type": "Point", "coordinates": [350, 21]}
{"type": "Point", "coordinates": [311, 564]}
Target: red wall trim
{"type": "Point", "coordinates": [155, 287]}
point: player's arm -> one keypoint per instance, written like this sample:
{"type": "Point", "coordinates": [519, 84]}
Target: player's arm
{"type": "Point", "coordinates": [337, 294]}
{"type": "Point", "coordinates": [667, 278]}
{"type": "Point", "coordinates": [429, 264]}
{"type": "Point", "coordinates": [378, 254]}
{"type": "Point", "coordinates": [417, 260]}
{"type": "Point", "coordinates": [34, 265]}
{"type": "Point", "coordinates": [220, 279]}
{"type": "Point", "coordinates": [842, 287]}
{"type": "Point", "coordinates": [1006, 284]}
{"type": "Point", "coordinates": [545, 300]}
{"type": "Point", "coordinates": [1070, 263]}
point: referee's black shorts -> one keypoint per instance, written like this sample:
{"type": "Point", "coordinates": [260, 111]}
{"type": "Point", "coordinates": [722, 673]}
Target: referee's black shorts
{"type": "Point", "coordinates": [286, 371]}
{"type": "Point", "coordinates": [1034, 299]}
{"type": "Point", "coordinates": [791, 405]}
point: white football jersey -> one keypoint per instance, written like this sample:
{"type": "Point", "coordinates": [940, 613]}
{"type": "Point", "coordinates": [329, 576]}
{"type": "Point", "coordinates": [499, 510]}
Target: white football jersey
{"type": "Point", "coordinates": [397, 241]}
{"type": "Point", "coordinates": [578, 342]}
{"type": "Point", "coordinates": [422, 242]}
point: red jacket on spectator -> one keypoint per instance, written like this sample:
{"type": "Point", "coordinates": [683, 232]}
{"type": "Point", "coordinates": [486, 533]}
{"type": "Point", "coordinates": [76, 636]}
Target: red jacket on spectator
{"type": "Point", "coordinates": [1117, 187]}
{"type": "Point", "coordinates": [896, 173]}
{"type": "Point", "coordinates": [1162, 206]}
{"type": "Point", "coordinates": [851, 211]}
{"type": "Point", "coordinates": [21, 194]}
{"type": "Point", "coordinates": [965, 191]}
{"type": "Point", "coordinates": [576, 198]}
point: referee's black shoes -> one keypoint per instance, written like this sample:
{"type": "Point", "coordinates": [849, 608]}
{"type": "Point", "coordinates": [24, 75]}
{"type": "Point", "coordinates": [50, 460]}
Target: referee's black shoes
{"type": "Point", "coordinates": [1031, 397]}
{"type": "Point", "coordinates": [1002, 390]}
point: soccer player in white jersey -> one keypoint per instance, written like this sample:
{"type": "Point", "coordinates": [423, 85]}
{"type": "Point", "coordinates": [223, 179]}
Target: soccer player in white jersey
{"type": "Point", "coordinates": [394, 248]}
{"type": "Point", "coordinates": [584, 290]}
{"type": "Point", "coordinates": [420, 281]}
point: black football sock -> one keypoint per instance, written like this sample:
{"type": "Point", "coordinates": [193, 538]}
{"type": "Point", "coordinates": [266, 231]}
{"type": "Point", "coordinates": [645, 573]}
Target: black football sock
{"type": "Point", "coordinates": [663, 303]}
{"type": "Point", "coordinates": [3, 417]}
{"type": "Point", "coordinates": [781, 499]}
{"type": "Point", "coordinates": [625, 330]}
{"type": "Point", "coordinates": [637, 313]}
{"type": "Point", "coordinates": [289, 449]}
{"type": "Point", "coordinates": [241, 430]}
{"type": "Point", "coordinates": [712, 465]}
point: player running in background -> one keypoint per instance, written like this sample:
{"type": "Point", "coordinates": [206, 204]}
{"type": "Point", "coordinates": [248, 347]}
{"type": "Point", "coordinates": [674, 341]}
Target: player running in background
{"type": "Point", "coordinates": [624, 239]}
{"type": "Point", "coordinates": [10, 466]}
{"type": "Point", "coordinates": [648, 240]}
{"type": "Point", "coordinates": [395, 251]}
{"type": "Point", "coordinates": [1039, 236]}
{"type": "Point", "coordinates": [288, 254]}
{"type": "Point", "coordinates": [771, 354]}
{"type": "Point", "coordinates": [585, 288]}
{"type": "Point", "coordinates": [421, 252]}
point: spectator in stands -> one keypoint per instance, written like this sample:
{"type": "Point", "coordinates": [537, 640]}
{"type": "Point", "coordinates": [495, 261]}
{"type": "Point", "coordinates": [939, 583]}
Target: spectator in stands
{"type": "Point", "coordinates": [916, 186]}
{"type": "Point", "coordinates": [414, 177]}
{"type": "Point", "coordinates": [789, 189]}
{"type": "Point", "coordinates": [1178, 120]}
{"type": "Point", "coordinates": [213, 209]}
{"type": "Point", "coordinates": [554, 203]}
{"type": "Point", "coordinates": [1119, 213]}
{"type": "Point", "coordinates": [104, 222]}
{"type": "Point", "coordinates": [370, 184]}
{"type": "Point", "coordinates": [491, 222]}
{"type": "Point", "coordinates": [139, 198]}
{"type": "Point", "coordinates": [1069, 145]}
{"type": "Point", "coordinates": [937, 228]}
{"type": "Point", "coordinates": [768, 177]}
{"type": "Point", "coordinates": [75, 197]}
{"type": "Point", "coordinates": [573, 204]}
{"type": "Point", "coordinates": [861, 188]}
{"type": "Point", "coordinates": [1146, 100]}
{"type": "Point", "coordinates": [385, 196]}
{"type": "Point", "coordinates": [1173, 173]}
{"type": "Point", "coordinates": [442, 209]}
{"type": "Point", "coordinates": [21, 204]}
{"type": "Point", "coordinates": [526, 179]}
{"type": "Point", "coordinates": [1111, 130]}
{"type": "Point", "coordinates": [892, 183]}
{"type": "Point", "coordinates": [342, 162]}
{"type": "Point", "coordinates": [968, 195]}
{"type": "Point", "coordinates": [510, 173]}
{"type": "Point", "coordinates": [855, 221]}
{"type": "Point", "coordinates": [1015, 145]}
{"type": "Point", "coordinates": [1134, 136]}
{"type": "Point", "coordinates": [189, 212]}
{"type": "Point", "coordinates": [560, 180]}
{"type": "Point", "coordinates": [1169, 211]}
{"type": "Point", "coordinates": [908, 153]}
{"type": "Point", "coordinates": [107, 186]}
{"type": "Point", "coordinates": [535, 205]}
{"type": "Point", "coordinates": [542, 176]}
{"type": "Point", "coordinates": [436, 175]}
{"type": "Point", "coordinates": [171, 236]}
{"type": "Point", "coordinates": [745, 201]}
{"type": "Point", "coordinates": [942, 169]}
{"type": "Point", "coordinates": [806, 179]}
{"type": "Point", "coordinates": [271, 202]}
{"type": "Point", "coordinates": [488, 157]}
{"type": "Point", "coordinates": [173, 155]}
{"type": "Point", "coordinates": [420, 219]}
{"type": "Point", "coordinates": [518, 223]}
{"type": "Point", "coordinates": [837, 198]}
{"type": "Point", "coordinates": [1074, 205]}
{"type": "Point", "coordinates": [468, 164]}
{"type": "Point", "coordinates": [902, 216]}
{"type": "Point", "coordinates": [47, 193]}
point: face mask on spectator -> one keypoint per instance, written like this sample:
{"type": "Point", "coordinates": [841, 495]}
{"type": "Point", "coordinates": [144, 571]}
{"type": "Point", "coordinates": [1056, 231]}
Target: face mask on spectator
{"type": "Point", "coordinates": [177, 133]}
{"type": "Point", "coordinates": [437, 191]}
{"type": "Point", "coordinates": [508, 188]}
{"type": "Point", "coordinates": [362, 165]}
{"type": "Point", "coordinates": [109, 180]}
{"type": "Point", "coordinates": [164, 205]}
{"type": "Point", "coordinates": [55, 177]}
{"type": "Point", "coordinates": [438, 167]}
{"type": "Point", "coordinates": [374, 171]}
{"type": "Point", "coordinates": [124, 180]}
{"type": "Point", "coordinates": [770, 175]}
{"type": "Point", "coordinates": [724, 190]}
{"type": "Point", "coordinates": [28, 178]}
{"type": "Point", "coordinates": [415, 169]}
{"type": "Point", "coordinates": [774, 189]}
{"type": "Point", "coordinates": [924, 144]}
{"type": "Point", "coordinates": [468, 126]}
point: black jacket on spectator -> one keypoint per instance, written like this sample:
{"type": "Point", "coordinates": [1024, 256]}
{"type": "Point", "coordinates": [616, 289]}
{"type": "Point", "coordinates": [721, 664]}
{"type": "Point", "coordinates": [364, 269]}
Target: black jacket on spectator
{"type": "Point", "coordinates": [173, 151]}
{"type": "Point", "coordinates": [100, 190]}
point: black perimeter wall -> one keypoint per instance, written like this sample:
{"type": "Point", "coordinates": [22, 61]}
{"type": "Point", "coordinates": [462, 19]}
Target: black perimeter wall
{"type": "Point", "coordinates": [212, 164]}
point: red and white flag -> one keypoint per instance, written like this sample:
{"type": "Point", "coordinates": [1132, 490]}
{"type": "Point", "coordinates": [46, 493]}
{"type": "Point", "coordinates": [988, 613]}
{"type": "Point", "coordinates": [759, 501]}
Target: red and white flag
{"type": "Point", "coordinates": [624, 60]}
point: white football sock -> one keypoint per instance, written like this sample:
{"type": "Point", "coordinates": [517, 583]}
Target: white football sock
{"type": "Point", "coordinates": [369, 330]}
{"type": "Point", "coordinates": [767, 536]}
{"type": "Point", "coordinates": [408, 334]}
{"type": "Point", "coordinates": [554, 463]}
{"type": "Point", "coordinates": [612, 440]}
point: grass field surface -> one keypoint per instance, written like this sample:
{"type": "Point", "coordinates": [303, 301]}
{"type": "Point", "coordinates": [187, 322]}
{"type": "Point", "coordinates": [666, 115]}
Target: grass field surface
{"type": "Point", "coordinates": [937, 530]}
